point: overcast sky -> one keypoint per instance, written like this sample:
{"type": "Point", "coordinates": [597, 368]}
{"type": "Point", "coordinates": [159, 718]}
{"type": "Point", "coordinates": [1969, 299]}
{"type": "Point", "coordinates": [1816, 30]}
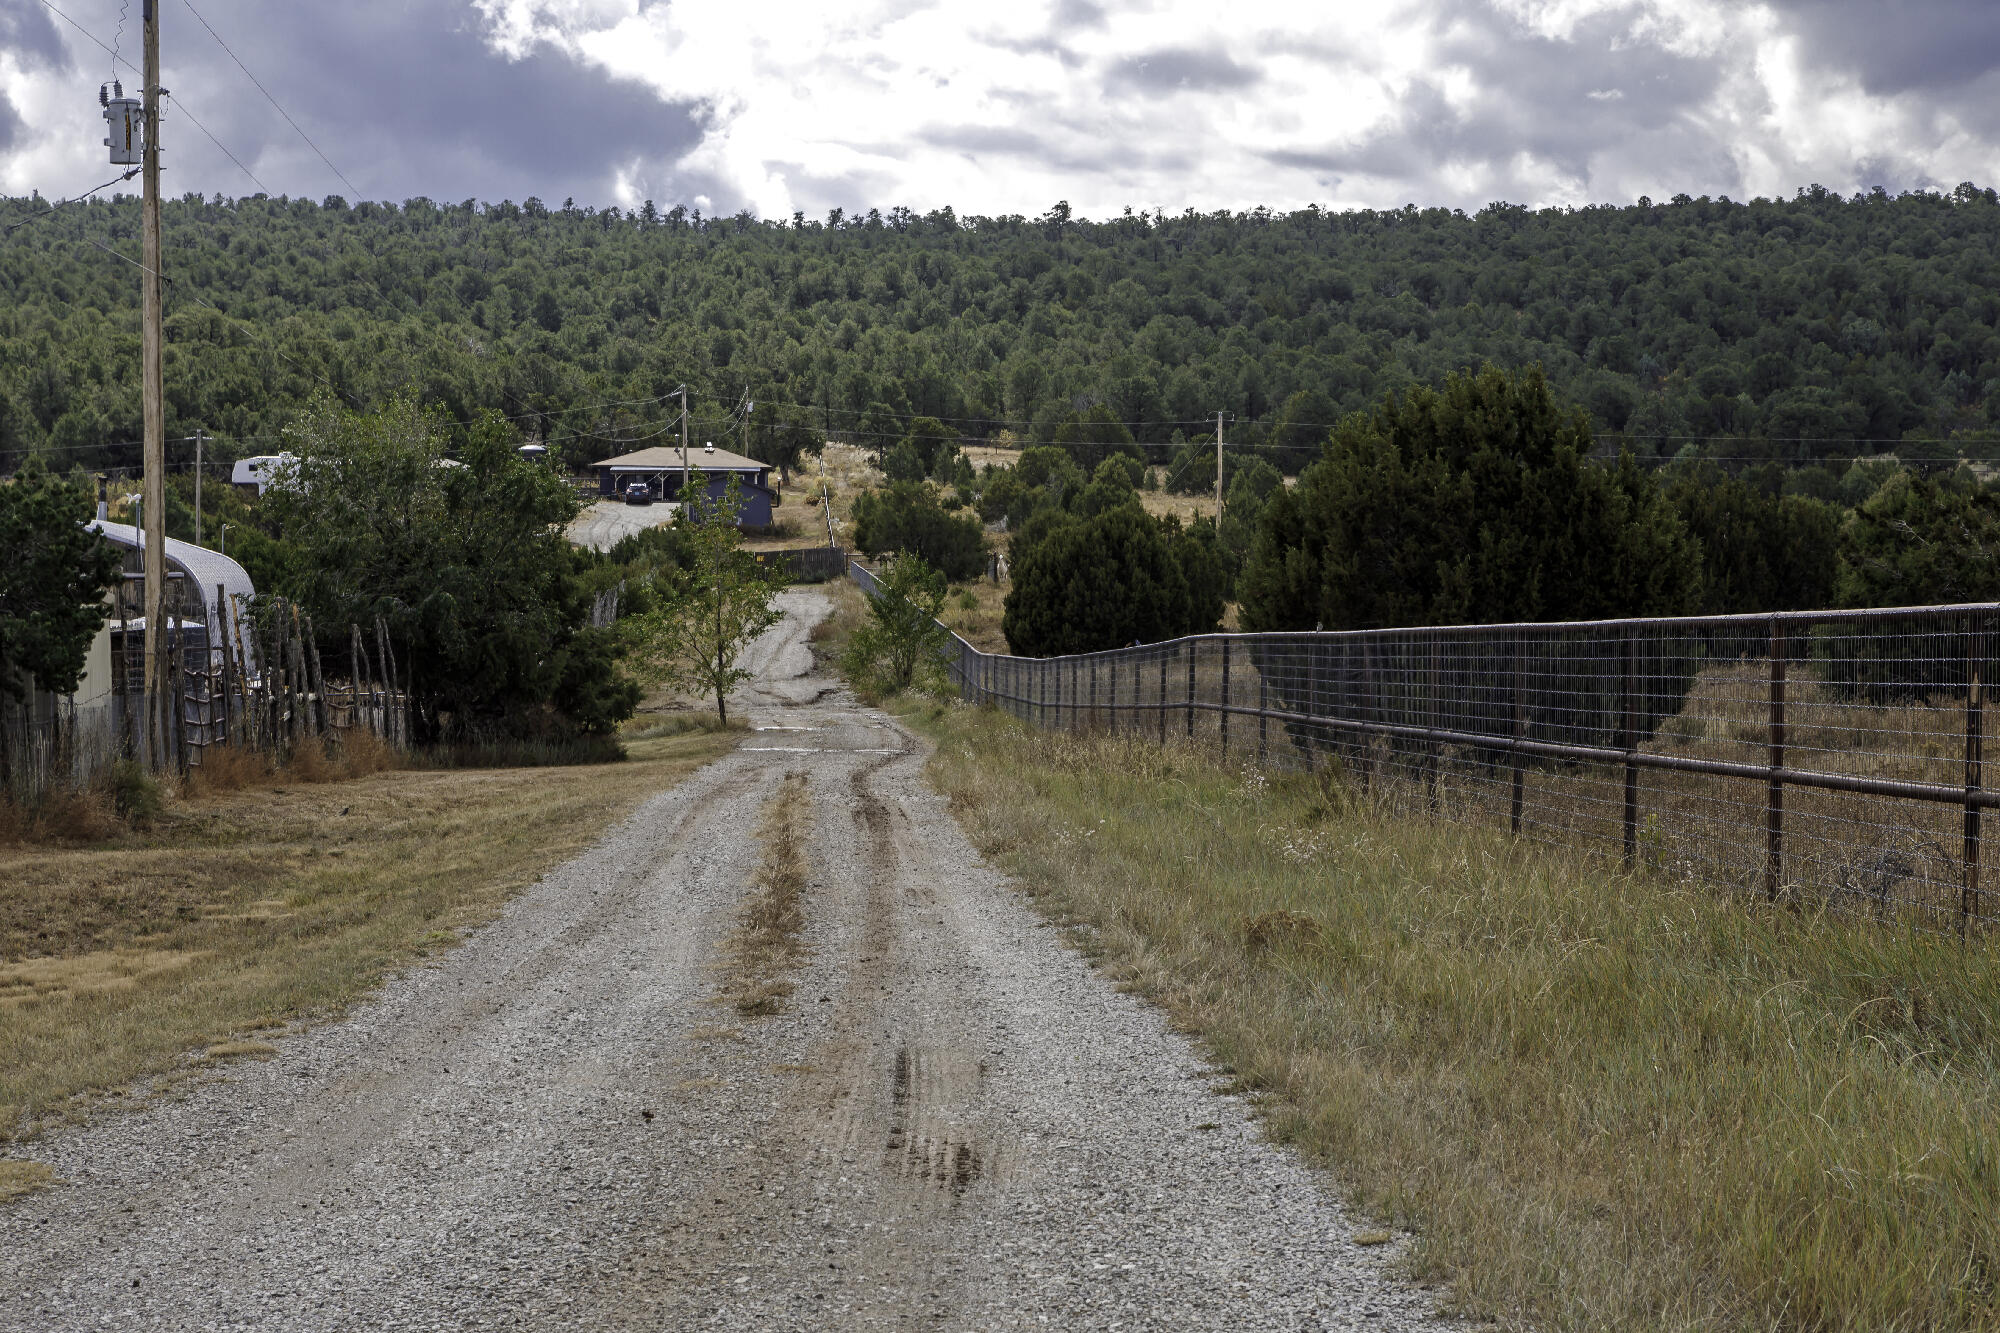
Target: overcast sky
{"type": "Point", "coordinates": [1007, 107]}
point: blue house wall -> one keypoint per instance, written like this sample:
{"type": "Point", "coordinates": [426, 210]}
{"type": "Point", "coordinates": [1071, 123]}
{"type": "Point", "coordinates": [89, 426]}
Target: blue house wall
{"type": "Point", "coordinates": [756, 496]}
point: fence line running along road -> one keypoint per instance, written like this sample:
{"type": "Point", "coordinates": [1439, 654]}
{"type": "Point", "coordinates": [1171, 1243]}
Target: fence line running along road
{"type": "Point", "coordinates": [1829, 756]}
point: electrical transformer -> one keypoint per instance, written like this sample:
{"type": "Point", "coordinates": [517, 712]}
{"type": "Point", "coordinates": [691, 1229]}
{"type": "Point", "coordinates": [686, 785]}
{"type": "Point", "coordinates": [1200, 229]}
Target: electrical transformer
{"type": "Point", "coordinates": [127, 120]}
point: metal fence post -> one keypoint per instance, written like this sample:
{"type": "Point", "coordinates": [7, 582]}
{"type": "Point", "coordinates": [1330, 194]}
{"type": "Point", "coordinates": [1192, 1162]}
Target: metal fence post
{"type": "Point", "coordinates": [1163, 695]}
{"type": "Point", "coordinates": [1774, 798]}
{"type": "Point", "coordinates": [1975, 718]}
{"type": "Point", "coordinates": [1520, 733]}
{"type": "Point", "coordinates": [1433, 750]}
{"type": "Point", "coordinates": [1263, 714]}
{"type": "Point", "coordinates": [1629, 742]}
{"type": "Point", "coordinates": [1192, 645]}
{"type": "Point", "coordinates": [1223, 716]}
{"type": "Point", "coordinates": [1369, 713]}
{"type": "Point", "coordinates": [1092, 719]}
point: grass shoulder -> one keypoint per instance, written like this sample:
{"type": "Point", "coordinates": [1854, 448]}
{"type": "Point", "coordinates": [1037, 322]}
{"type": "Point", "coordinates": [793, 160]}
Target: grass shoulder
{"type": "Point", "coordinates": [141, 957]}
{"type": "Point", "coordinates": [1597, 1100]}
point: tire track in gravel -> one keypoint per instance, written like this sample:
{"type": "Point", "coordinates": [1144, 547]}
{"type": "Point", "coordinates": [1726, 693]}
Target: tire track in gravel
{"type": "Point", "coordinates": [951, 1123]}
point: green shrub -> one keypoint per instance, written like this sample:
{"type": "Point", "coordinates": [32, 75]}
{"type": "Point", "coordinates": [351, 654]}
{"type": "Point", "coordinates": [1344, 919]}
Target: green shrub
{"type": "Point", "coordinates": [1087, 584]}
{"type": "Point", "coordinates": [135, 794]}
{"type": "Point", "coordinates": [901, 642]}
{"type": "Point", "coordinates": [910, 517]}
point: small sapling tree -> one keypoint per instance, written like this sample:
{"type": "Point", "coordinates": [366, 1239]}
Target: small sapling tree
{"type": "Point", "coordinates": [707, 609]}
{"type": "Point", "coordinates": [902, 636]}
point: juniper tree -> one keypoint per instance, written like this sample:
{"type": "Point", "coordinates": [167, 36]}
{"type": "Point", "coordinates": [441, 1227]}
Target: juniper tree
{"type": "Point", "coordinates": [52, 583]}
{"type": "Point", "coordinates": [465, 559]}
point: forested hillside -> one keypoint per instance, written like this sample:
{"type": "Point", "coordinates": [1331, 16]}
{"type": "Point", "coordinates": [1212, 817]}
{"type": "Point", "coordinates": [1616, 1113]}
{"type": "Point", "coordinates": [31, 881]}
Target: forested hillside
{"type": "Point", "coordinates": [1806, 329]}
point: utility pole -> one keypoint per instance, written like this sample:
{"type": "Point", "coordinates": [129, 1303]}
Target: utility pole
{"type": "Point", "coordinates": [825, 498]}
{"type": "Point", "coordinates": [151, 360]}
{"type": "Point", "coordinates": [1218, 467]}
{"type": "Point", "coordinates": [684, 453]}
{"type": "Point", "coordinates": [199, 436]}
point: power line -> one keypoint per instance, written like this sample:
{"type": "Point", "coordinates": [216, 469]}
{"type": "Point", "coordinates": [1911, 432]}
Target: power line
{"type": "Point", "coordinates": [71, 200]}
{"type": "Point", "coordinates": [175, 102]}
{"type": "Point", "coordinates": [354, 189]}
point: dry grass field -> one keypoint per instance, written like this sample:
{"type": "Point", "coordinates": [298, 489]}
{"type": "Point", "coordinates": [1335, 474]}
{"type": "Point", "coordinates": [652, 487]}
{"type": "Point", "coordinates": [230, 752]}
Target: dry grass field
{"type": "Point", "coordinates": [973, 612]}
{"type": "Point", "coordinates": [136, 958]}
{"type": "Point", "coordinates": [1599, 1100]}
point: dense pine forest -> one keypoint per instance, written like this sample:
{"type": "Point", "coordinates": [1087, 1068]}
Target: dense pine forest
{"type": "Point", "coordinates": [1805, 331]}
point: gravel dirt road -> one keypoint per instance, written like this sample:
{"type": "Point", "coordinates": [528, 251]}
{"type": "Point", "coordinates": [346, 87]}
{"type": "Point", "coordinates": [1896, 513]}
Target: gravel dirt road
{"type": "Point", "coordinates": [953, 1122]}
{"type": "Point", "coordinates": [605, 523]}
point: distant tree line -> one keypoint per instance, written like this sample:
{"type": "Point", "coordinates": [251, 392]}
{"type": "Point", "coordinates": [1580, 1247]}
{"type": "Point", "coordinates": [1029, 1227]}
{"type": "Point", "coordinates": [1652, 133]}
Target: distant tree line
{"type": "Point", "coordinates": [1478, 501]}
{"type": "Point", "coordinates": [1806, 331]}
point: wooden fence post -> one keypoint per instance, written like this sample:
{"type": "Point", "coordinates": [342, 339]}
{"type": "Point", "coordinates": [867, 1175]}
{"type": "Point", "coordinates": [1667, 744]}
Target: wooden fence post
{"type": "Point", "coordinates": [392, 726]}
{"type": "Point", "coordinates": [357, 673]}
{"type": "Point", "coordinates": [220, 642]}
{"type": "Point", "coordinates": [1774, 796]}
{"type": "Point", "coordinates": [176, 681]}
{"type": "Point", "coordinates": [321, 711]}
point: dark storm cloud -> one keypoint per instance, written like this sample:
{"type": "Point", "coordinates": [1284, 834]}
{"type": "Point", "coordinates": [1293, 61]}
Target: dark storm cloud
{"type": "Point", "coordinates": [1899, 45]}
{"type": "Point", "coordinates": [29, 31]}
{"type": "Point", "coordinates": [1944, 54]}
{"type": "Point", "coordinates": [1562, 101]}
{"type": "Point", "coordinates": [407, 100]}
{"type": "Point", "coordinates": [1172, 69]}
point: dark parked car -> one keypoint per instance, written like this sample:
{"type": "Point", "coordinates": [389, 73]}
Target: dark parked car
{"type": "Point", "coordinates": [638, 493]}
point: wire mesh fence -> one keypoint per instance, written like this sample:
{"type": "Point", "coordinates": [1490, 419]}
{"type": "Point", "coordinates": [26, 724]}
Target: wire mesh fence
{"type": "Point", "coordinates": [1833, 757]}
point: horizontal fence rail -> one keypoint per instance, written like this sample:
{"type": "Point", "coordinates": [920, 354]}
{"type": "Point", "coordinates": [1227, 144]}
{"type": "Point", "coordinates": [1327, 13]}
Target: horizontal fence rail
{"type": "Point", "coordinates": [1833, 757]}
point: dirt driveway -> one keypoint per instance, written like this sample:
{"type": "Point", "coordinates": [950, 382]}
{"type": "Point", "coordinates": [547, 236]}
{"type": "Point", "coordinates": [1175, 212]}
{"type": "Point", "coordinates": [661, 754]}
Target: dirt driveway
{"type": "Point", "coordinates": [951, 1123]}
{"type": "Point", "coordinates": [605, 523]}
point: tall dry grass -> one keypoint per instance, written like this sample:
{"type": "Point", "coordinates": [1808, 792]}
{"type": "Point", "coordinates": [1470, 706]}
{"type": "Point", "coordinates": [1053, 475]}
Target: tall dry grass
{"type": "Point", "coordinates": [275, 900]}
{"type": "Point", "coordinates": [1602, 1101]}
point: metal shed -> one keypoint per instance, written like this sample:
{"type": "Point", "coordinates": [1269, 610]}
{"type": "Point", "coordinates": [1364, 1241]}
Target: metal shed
{"type": "Point", "coordinates": [195, 578]}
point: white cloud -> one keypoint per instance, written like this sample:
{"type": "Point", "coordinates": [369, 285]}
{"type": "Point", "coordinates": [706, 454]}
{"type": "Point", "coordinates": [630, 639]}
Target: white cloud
{"type": "Point", "coordinates": [1003, 109]}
